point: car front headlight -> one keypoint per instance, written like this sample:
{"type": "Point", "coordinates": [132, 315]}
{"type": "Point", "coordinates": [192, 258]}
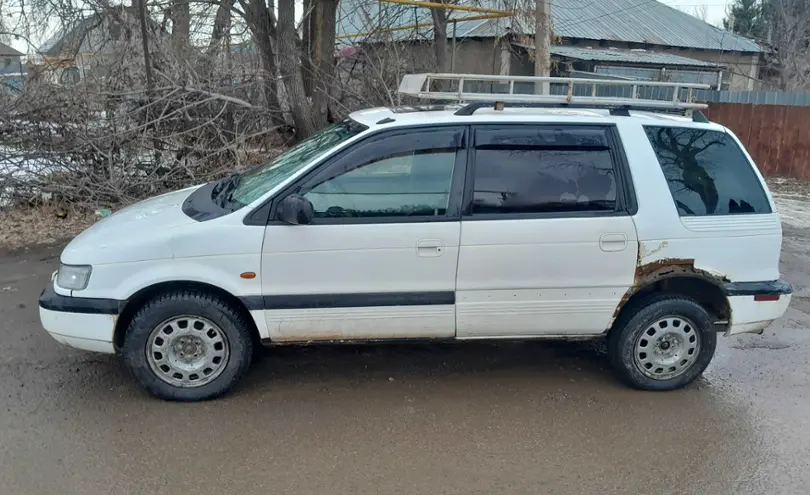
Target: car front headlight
{"type": "Point", "coordinates": [73, 277]}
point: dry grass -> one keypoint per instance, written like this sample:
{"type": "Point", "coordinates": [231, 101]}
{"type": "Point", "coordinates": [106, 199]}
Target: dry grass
{"type": "Point", "coordinates": [46, 225]}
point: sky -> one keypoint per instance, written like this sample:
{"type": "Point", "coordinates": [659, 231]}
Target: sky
{"type": "Point", "coordinates": [715, 9]}
{"type": "Point", "coordinates": [715, 12]}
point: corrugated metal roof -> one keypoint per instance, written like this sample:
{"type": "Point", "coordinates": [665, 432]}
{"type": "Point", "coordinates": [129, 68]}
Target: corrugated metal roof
{"type": "Point", "coordinates": [627, 56]}
{"type": "Point", "coordinates": [635, 21]}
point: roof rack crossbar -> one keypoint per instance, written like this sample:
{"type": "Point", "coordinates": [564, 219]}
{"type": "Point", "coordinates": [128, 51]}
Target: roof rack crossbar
{"type": "Point", "coordinates": [616, 110]}
{"type": "Point", "coordinates": [422, 86]}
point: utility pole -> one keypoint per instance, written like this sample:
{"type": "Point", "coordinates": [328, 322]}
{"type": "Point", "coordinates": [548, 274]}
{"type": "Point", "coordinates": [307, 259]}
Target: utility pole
{"type": "Point", "coordinates": [542, 42]}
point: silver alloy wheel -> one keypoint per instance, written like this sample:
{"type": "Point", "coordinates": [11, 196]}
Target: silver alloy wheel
{"type": "Point", "coordinates": [667, 348]}
{"type": "Point", "coordinates": [187, 351]}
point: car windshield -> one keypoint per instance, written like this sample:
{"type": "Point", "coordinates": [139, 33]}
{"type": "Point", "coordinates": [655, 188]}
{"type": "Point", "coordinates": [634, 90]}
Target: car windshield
{"type": "Point", "coordinates": [256, 182]}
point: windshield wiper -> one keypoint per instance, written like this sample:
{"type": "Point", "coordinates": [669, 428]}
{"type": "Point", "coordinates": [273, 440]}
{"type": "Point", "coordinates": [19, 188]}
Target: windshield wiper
{"type": "Point", "coordinates": [223, 191]}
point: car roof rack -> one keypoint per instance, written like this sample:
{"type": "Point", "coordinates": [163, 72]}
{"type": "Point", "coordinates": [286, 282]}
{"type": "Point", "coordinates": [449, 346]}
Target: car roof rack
{"type": "Point", "coordinates": [424, 86]}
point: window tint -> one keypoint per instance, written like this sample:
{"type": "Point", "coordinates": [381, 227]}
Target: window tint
{"type": "Point", "coordinates": [256, 182]}
{"type": "Point", "coordinates": [543, 180]}
{"type": "Point", "coordinates": [707, 172]}
{"type": "Point", "coordinates": [568, 136]}
{"type": "Point", "coordinates": [405, 184]}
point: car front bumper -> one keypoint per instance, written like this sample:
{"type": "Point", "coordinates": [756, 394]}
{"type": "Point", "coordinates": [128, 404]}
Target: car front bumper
{"type": "Point", "coordinates": [83, 323]}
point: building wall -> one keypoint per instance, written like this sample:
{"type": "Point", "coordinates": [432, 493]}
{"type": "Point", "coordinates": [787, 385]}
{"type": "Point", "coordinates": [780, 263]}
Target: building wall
{"type": "Point", "coordinates": [742, 69]}
{"type": "Point", "coordinates": [6, 60]}
{"type": "Point", "coordinates": [482, 56]}
{"type": "Point", "coordinates": [477, 56]}
{"type": "Point", "coordinates": [472, 56]}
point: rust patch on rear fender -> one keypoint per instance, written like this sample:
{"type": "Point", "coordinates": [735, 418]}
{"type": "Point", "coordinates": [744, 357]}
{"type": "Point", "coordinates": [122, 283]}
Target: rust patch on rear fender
{"type": "Point", "coordinates": [654, 271]}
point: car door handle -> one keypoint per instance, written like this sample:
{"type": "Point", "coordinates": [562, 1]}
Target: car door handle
{"type": "Point", "coordinates": [429, 248]}
{"type": "Point", "coordinates": [613, 242]}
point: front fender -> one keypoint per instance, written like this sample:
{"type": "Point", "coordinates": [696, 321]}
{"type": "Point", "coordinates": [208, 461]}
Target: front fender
{"type": "Point", "coordinates": [122, 280]}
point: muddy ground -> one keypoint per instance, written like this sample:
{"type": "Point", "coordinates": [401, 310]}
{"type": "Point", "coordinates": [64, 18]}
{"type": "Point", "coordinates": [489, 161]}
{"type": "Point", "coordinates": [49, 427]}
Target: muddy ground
{"type": "Point", "coordinates": [466, 419]}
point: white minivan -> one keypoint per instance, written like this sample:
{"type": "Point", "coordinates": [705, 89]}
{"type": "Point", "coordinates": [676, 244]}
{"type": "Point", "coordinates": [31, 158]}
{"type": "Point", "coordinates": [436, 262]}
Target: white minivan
{"type": "Point", "coordinates": [524, 217]}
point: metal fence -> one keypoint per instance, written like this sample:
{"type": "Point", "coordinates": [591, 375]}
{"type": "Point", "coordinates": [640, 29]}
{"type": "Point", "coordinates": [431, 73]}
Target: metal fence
{"type": "Point", "coordinates": [794, 98]}
{"type": "Point", "coordinates": [791, 98]}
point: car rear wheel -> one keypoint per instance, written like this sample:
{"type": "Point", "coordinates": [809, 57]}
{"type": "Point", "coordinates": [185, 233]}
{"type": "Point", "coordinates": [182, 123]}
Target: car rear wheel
{"type": "Point", "coordinates": [188, 346]}
{"type": "Point", "coordinates": [663, 343]}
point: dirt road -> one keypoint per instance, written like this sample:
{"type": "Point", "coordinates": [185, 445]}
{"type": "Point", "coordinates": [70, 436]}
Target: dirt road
{"type": "Point", "coordinates": [467, 419]}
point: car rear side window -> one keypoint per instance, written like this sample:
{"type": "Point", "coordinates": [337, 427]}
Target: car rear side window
{"type": "Point", "coordinates": [707, 172]}
{"type": "Point", "coordinates": [536, 170]}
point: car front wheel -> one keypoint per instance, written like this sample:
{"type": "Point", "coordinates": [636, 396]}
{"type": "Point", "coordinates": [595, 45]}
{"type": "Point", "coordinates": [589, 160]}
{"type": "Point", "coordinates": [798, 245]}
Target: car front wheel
{"type": "Point", "coordinates": [188, 346]}
{"type": "Point", "coordinates": [664, 343]}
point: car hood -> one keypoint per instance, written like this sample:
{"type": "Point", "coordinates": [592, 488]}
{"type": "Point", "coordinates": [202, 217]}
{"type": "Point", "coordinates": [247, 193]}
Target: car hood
{"type": "Point", "coordinates": [136, 233]}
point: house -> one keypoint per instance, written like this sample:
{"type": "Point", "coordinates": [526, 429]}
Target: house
{"type": "Point", "coordinates": [91, 47]}
{"type": "Point", "coordinates": [620, 38]}
{"type": "Point", "coordinates": [9, 57]}
{"type": "Point", "coordinates": [12, 69]}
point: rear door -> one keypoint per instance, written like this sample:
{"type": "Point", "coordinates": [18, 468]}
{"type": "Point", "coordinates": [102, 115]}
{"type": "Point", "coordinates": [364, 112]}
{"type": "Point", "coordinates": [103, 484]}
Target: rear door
{"type": "Point", "coordinates": [379, 261]}
{"type": "Point", "coordinates": [548, 245]}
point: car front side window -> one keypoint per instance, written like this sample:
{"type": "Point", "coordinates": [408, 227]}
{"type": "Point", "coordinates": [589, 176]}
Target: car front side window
{"type": "Point", "coordinates": [412, 183]}
{"type": "Point", "coordinates": [254, 183]}
{"type": "Point", "coordinates": [402, 175]}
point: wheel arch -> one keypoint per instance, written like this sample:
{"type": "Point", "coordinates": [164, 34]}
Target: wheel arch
{"type": "Point", "coordinates": [677, 279]}
{"type": "Point", "coordinates": [139, 298]}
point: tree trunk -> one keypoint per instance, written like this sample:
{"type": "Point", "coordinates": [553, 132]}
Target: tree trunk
{"type": "Point", "coordinates": [222, 25]}
{"type": "Point", "coordinates": [308, 47]}
{"type": "Point", "coordinates": [440, 38]}
{"type": "Point", "coordinates": [262, 24]}
{"type": "Point", "coordinates": [323, 56]}
{"type": "Point", "coordinates": [291, 73]}
{"type": "Point", "coordinates": [542, 43]}
{"type": "Point", "coordinates": [181, 26]}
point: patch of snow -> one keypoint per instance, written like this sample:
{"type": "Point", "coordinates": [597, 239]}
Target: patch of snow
{"type": "Point", "coordinates": [14, 166]}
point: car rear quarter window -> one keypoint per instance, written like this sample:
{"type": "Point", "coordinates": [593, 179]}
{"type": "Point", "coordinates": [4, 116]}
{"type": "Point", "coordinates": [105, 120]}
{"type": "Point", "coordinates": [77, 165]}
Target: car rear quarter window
{"type": "Point", "coordinates": [707, 172]}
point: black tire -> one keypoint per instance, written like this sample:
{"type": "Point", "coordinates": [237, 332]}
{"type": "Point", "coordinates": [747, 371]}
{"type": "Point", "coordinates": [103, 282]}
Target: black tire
{"type": "Point", "coordinates": [192, 303]}
{"type": "Point", "coordinates": [638, 319]}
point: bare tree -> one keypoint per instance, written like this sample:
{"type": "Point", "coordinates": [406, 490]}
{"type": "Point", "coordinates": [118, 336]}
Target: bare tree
{"type": "Point", "coordinates": [222, 25]}
{"type": "Point", "coordinates": [440, 46]}
{"type": "Point", "coordinates": [181, 25]}
{"type": "Point", "coordinates": [319, 53]}
{"type": "Point", "coordinates": [210, 108]}
{"type": "Point", "coordinates": [790, 33]}
{"type": "Point", "coordinates": [291, 73]}
{"type": "Point", "coordinates": [701, 12]}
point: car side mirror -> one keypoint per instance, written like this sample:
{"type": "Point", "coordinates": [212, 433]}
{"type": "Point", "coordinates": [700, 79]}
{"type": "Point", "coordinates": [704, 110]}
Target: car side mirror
{"type": "Point", "coordinates": [295, 210]}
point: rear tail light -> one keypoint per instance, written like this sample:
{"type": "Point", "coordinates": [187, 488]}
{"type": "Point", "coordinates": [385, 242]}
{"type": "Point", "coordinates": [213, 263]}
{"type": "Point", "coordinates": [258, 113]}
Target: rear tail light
{"type": "Point", "coordinates": [767, 297]}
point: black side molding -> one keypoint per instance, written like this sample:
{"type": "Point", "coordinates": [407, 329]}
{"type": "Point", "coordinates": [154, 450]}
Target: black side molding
{"type": "Point", "coordinates": [253, 303]}
{"type": "Point", "coordinates": [772, 288]}
{"type": "Point", "coordinates": [52, 301]}
{"type": "Point", "coordinates": [311, 301]}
